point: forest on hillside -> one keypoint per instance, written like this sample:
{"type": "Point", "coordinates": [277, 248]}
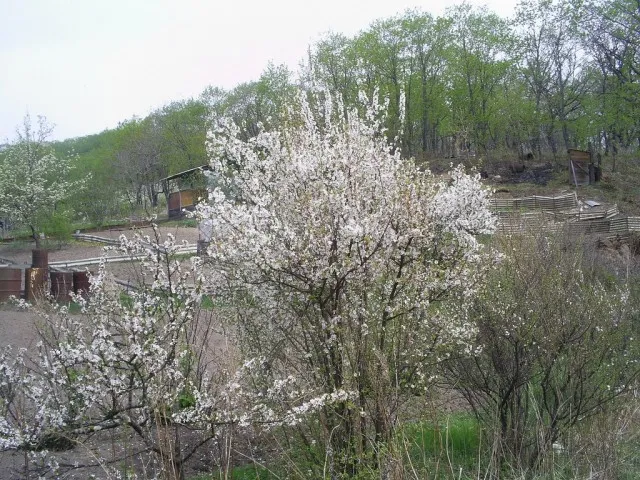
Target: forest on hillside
{"type": "Point", "coordinates": [560, 74]}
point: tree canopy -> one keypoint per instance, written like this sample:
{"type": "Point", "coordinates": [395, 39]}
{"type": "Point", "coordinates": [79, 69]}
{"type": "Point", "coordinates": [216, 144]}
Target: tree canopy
{"type": "Point", "coordinates": [557, 75]}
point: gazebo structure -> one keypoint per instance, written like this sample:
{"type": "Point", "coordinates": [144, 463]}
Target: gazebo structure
{"type": "Point", "coordinates": [186, 189]}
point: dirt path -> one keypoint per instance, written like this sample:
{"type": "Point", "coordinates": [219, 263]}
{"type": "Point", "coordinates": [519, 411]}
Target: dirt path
{"type": "Point", "coordinates": [19, 253]}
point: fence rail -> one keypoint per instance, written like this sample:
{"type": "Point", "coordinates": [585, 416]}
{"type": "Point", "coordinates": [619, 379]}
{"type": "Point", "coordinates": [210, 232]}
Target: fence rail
{"type": "Point", "coordinates": [535, 202]}
{"type": "Point", "coordinates": [95, 238]}
{"type": "Point", "coordinates": [181, 249]}
{"type": "Point", "coordinates": [520, 223]}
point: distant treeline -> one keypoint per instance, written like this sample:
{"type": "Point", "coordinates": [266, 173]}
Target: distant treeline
{"type": "Point", "coordinates": [560, 74]}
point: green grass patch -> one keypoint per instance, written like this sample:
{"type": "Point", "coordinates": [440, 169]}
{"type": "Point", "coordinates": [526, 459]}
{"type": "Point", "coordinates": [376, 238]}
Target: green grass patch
{"type": "Point", "coordinates": [126, 300]}
{"type": "Point", "coordinates": [446, 449]}
{"type": "Point", "coordinates": [181, 222]}
{"type": "Point", "coordinates": [74, 308]}
{"type": "Point", "coordinates": [459, 434]}
{"type": "Point", "coordinates": [207, 303]}
{"type": "Point", "coordinates": [245, 472]}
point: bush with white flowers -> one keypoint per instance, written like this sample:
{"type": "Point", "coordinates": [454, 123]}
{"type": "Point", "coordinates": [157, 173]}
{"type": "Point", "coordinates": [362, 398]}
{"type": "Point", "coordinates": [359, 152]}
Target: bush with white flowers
{"type": "Point", "coordinates": [335, 254]}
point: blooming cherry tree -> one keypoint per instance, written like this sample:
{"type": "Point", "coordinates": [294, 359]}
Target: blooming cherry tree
{"type": "Point", "coordinates": [335, 253]}
{"type": "Point", "coordinates": [33, 179]}
{"type": "Point", "coordinates": [330, 260]}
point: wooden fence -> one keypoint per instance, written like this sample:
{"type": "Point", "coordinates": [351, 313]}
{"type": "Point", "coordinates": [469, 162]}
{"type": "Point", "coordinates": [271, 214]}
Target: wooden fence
{"type": "Point", "coordinates": [561, 213]}
{"type": "Point", "coordinates": [562, 202]}
{"type": "Point", "coordinates": [521, 223]}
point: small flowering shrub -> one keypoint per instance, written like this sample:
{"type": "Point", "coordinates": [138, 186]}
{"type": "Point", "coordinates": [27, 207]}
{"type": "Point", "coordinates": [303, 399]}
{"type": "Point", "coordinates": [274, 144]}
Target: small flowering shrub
{"type": "Point", "coordinates": [334, 254]}
{"type": "Point", "coordinates": [127, 361]}
{"type": "Point", "coordinates": [33, 180]}
{"type": "Point", "coordinates": [556, 345]}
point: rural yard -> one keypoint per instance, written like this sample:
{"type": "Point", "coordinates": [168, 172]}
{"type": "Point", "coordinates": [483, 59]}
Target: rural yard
{"type": "Point", "coordinates": [412, 253]}
{"type": "Point", "coordinates": [16, 326]}
{"type": "Point", "coordinates": [119, 449]}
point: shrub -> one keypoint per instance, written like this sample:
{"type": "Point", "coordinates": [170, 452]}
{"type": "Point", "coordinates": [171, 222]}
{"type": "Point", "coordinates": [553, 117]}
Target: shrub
{"type": "Point", "coordinates": [555, 346]}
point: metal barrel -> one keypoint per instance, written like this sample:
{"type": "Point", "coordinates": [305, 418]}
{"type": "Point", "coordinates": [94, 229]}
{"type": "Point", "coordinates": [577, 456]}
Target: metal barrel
{"type": "Point", "coordinates": [61, 285]}
{"type": "Point", "coordinates": [10, 283]}
{"type": "Point", "coordinates": [40, 258]}
{"type": "Point", "coordinates": [81, 283]}
{"type": "Point", "coordinates": [35, 283]}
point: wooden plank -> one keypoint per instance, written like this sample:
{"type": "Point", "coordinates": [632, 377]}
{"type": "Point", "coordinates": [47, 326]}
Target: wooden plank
{"type": "Point", "coordinates": [612, 211]}
{"type": "Point", "coordinates": [174, 201]}
{"type": "Point", "coordinates": [579, 155]}
{"type": "Point", "coordinates": [619, 225]}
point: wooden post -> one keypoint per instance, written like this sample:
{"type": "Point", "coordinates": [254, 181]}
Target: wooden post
{"type": "Point", "coordinates": [573, 170]}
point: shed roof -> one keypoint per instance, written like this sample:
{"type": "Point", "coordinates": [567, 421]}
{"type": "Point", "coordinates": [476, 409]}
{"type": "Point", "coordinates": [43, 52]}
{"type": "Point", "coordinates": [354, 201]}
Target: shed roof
{"type": "Point", "coordinates": [187, 172]}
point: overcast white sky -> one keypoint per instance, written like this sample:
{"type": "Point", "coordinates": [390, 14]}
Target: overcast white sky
{"type": "Point", "coordinates": [88, 64]}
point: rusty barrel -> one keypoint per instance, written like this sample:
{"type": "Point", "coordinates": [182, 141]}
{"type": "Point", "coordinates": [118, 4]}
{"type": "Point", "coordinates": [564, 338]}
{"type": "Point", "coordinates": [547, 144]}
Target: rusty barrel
{"type": "Point", "coordinates": [81, 283]}
{"type": "Point", "coordinates": [10, 283]}
{"type": "Point", "coordinates": [35, 283]}
{"type": "Point", "coordinates": [40, 258]}
{"type": "Point", "coordinates": [61, 285]}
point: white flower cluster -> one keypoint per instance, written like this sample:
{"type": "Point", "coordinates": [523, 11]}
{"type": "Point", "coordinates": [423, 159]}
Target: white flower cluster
{"type": "Point", "coordinates": [335, 249]}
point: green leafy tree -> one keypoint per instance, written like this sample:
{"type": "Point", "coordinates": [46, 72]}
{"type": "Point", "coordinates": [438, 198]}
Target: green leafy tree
{"type": "Point", "coordinates": [334, 65]}
{"type": "Point", "coordinates": [402, 59]}
{"type": "Point", "coordinates": [426, 108]}
{"type": "Point", "coordinates": [382, 52]}
{"type": "Point", "coordinates": [104, 196]}
{"type": "Point", "coordinates": [260, 104]}
{"type": "Point", "coordinates": [138, 160]}
{"type": "Point", "coordinates": [183, 131]}
{"type": "Point", "coordinates": [553, 63]}
{"type": "Point", "coordinates": [481, 64]}
{"type": "Point", "coordinates": [611, 32]}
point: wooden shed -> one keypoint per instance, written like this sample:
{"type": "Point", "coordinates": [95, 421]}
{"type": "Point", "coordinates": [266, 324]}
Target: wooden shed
{"type": "Point", "coordinates": [186, 189]}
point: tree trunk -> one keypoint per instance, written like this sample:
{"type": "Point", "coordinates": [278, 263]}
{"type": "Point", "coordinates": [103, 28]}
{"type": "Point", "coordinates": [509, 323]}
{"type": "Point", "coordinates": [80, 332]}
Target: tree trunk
{"type": "Point", "coordinates": [35, 236]}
